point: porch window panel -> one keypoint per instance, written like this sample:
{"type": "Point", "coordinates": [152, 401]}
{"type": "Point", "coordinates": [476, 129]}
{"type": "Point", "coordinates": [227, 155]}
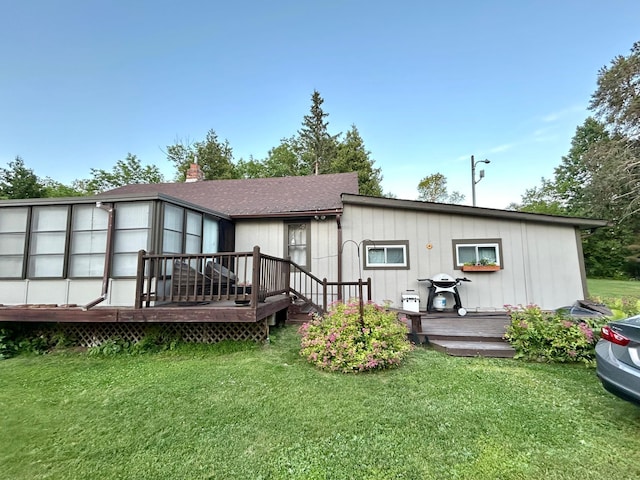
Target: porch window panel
{"type": "Point", "coordinates": [48, 242]}
{"type": "Point", "coordinates": [13, 220]}
{"type": "Point", "coordinates": [133, 215]}
{"type": "Point", "coordinates": [194, 223]}
{"type": "Point", "coordinates": [91, 265]}
{"type": "Point", "coordinates": [132, 231]}
{"type": "Point", "coordinates": [193, 233]}
{"type": "Point", "coordinates": [43, 243]}
{"type": "Point", "coordinates": [88, 217]}
{"type": "Point", "coordinates": [46, 266]}
{"type": "Point", "coordinates": [11, 266]}
{"type": "Point", "coordinates": [13, 236]}
{"type": "Point", "coordinates": [210, 235]}
{"type": "Point", "coordinates": [12, 243]}
{"type": "Point", "coordinates": [46, 219]}
{"type": "Point", "coordinates": [125, 264]}
{"type": "Point", "coordinates": [172, 242]}
{"type": "Point", "coordinates": [192, 244]}
{"type": "Point", "coordinates": [130, 240]}
{"type": "Point", "coordinates": [89, 242]}
{"type": "Point", "coordinates": [173, 217]}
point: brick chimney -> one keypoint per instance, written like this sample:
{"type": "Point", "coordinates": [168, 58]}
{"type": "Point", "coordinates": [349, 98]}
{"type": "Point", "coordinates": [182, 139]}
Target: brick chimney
{"type": "Point", "coordinates": [194, 174]}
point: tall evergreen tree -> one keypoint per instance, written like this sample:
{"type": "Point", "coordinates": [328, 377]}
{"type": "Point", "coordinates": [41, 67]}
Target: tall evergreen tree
{"type": "Point", "coordinates": [352, 156]}
{"type": "Point", "coordinates": [317, 146]}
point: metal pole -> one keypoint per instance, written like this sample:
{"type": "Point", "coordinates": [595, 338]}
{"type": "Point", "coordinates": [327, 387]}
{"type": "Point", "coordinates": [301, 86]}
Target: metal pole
{"type": "Point", "coordinates": [473, 182]}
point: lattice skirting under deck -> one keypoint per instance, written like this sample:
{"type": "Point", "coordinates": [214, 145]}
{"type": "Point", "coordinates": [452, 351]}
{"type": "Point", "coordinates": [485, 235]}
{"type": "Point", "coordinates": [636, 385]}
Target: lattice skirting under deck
{"type": "Point", "coordinates": [93, 334]}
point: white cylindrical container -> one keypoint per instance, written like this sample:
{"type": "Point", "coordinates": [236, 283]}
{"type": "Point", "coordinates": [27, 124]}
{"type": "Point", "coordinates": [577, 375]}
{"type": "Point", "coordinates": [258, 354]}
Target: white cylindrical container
{"type": "Point", "coordinates": [439, 302]}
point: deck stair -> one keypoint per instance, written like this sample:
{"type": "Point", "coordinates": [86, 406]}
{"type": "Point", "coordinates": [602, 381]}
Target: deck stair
{"type": "Point", "coordinates": [475, 335]}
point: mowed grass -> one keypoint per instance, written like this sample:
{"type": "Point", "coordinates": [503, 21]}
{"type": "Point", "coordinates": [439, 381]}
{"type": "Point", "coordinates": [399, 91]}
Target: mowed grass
{"type": "Point", "coordinates": [603, 288]}
{"type": "Point", "coordinates": [261, 412]}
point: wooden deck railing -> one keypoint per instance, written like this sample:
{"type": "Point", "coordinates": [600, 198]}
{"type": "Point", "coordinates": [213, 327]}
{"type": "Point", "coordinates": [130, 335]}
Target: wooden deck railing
{"type": "Point", "coordinates": [243, 277]}
{"type": "Point", "coordinates": [322, 293]}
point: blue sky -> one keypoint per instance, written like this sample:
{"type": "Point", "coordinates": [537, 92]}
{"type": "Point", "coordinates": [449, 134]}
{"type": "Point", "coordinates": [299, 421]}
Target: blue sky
{"type": "Point", "coordinates": [428, 84]}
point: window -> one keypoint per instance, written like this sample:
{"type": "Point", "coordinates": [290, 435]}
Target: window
{"type": "Point", "coordinates": [386, 254]}
{"type": "Point", "coordinates": [132, 227]}
{"type": "Point", "coordinates": [173, 228]}
{"type": "Point", "coordinates": [193, 233]}
{"type": "Point", "coordinates": [482, 251]}
{"type": "Point", "coordinates": [88, 241]}
{"type": "Point", "coordinates": [13, 234]}
{"type": "Point", "coordinates": [210, 235]}
{"type": "Point", "coordinates": [48, 242]}
{"type": "Point", "coordinates": [298, 243]}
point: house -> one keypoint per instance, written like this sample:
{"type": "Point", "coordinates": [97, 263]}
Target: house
{"type": "Point", "coordinates": [104, 258]}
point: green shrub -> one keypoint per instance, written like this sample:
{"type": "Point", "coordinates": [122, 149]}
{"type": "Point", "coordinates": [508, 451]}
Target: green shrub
{"type": "Point", "coordinates": [552, 337]}
{"type": "Point", "coordinates": [8, 347]}
{"type": "Point", "coordinates": [621, 307]}
{"type": "Point", "coordinates": [343, 341]}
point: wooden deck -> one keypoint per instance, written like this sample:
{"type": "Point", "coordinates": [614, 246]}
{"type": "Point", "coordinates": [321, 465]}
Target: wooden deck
{"type": "Point", "coordinates": [476, 334]}
{"type": "Point", "coordinates": [201, 312]}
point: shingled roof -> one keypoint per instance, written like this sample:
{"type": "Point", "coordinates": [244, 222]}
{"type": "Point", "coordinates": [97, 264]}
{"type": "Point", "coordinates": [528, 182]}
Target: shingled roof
{"type": "Point", "coordinates": [257, 196]}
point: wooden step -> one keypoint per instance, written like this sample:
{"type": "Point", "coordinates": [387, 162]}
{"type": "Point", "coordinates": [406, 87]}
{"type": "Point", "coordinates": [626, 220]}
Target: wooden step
{"type": "Point", "coordinates": [473, 348]}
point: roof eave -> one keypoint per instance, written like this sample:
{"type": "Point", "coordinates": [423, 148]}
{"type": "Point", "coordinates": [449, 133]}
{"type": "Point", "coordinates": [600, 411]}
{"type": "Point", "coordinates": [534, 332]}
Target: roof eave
{"type": "Point", "coordinates": [583, 223]}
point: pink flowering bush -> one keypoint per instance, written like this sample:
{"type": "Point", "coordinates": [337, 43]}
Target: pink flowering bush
{"type": "Point", "coordinates": [342, 341]}
{"type": "Point", "coordinates": [552, 337]}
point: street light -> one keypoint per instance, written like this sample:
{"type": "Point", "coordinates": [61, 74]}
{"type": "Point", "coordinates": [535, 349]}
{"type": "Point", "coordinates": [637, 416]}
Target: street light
{"type": "Point", "coordinates": [473, 178]}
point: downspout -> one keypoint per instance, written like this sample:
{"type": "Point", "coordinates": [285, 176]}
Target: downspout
{"type": "Point", "coordinates": [107, 256]}
{"type": "Point", "coordinates": [338, 218]}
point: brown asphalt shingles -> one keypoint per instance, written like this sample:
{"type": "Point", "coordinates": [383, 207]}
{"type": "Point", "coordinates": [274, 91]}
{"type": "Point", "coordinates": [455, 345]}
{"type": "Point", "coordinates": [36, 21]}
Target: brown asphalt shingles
{"type": "Point", "coordinates": [259, 196]}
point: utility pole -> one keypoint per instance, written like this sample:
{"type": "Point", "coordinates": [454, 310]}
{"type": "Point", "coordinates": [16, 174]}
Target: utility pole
{"type": "Point", "coordinates": [473, 178]}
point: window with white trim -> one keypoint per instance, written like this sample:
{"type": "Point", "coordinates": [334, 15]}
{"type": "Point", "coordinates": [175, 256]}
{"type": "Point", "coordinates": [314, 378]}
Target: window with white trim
{"type": "Point", "coordinates": [386, 254]}
{"type": "Point", "coordinates": [477, 252]}
{"type": "Point", "coordinates": [13, 235]}
{"type": "Point", "coordinates": [48, 241]}
{"type": "Point", "coordinates": [88, 241]}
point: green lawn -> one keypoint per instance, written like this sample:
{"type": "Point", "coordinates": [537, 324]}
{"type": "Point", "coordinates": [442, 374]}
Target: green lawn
{"type": "Point", "coordinates": [603, 288]}
{"type": "Point", "coordinates": [260, 412]}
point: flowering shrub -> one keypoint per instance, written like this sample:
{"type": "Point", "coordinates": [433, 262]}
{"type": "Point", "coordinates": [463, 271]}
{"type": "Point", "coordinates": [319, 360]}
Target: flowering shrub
{"type": "Point", "coordinates": [341, 341]}
{"type": "Point", "coordinates": [621, 307]}
{"type": "Point", "coordinates": [552, 337]}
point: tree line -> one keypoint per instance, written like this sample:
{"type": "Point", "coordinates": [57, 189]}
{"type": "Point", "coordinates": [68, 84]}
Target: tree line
{"type": "Point", "coordinates": [600, 175]}
{"type": "Point", "coordinates": [598, 178]}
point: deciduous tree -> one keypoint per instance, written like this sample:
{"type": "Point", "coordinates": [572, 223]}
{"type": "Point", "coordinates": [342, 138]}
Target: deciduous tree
{"type": "Point", "coordinates": [125, 172]}
{"type": "Point", "coordinates": [214, 156]}
{"type": "Point", "coordinates": [18, 181]}
{"type": "Point", "coordinates": [433, 188]}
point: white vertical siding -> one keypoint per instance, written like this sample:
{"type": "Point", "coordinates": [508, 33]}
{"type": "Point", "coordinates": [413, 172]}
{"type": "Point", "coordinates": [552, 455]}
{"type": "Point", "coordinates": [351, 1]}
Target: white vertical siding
{"type": "Point", "coordinates": [540, 261]}
{"type": "Point", "coordinates": [269, 235]}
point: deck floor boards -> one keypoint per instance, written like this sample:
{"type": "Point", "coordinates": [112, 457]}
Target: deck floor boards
{"type": "Point", "coordinates": [223, 311]}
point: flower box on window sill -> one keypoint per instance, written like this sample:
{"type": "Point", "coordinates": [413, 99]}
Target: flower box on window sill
{"type": "Point", "coordinates": [480, 268]}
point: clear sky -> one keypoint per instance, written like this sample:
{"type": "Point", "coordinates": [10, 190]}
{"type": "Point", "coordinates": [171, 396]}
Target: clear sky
{"type": "Point", "coordinates": [428, 84]}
